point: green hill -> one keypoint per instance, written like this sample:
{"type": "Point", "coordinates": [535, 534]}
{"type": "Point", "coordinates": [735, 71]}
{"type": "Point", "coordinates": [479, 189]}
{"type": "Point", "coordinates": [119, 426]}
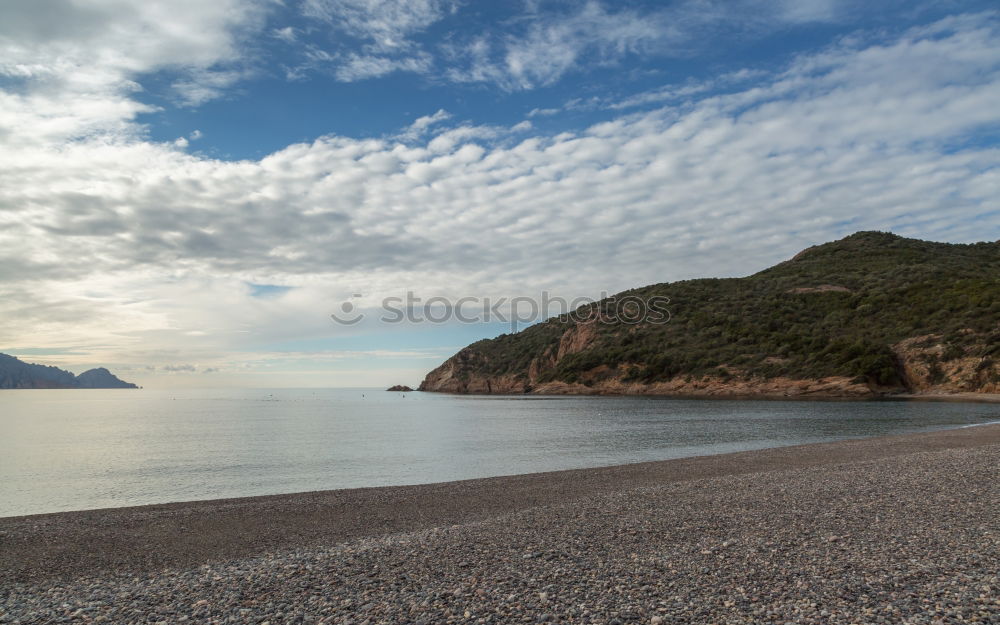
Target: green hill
{"type": "Point", "coordinates": [871, 313]}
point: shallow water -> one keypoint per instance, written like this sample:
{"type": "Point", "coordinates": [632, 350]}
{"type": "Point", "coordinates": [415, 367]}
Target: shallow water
{"type": "Point", "coordinates": [80, 449]}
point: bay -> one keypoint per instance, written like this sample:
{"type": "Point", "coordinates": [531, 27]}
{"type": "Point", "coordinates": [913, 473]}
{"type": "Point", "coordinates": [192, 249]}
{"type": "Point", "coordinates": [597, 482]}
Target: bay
{"type": "Point", "coordinates": [81, 449]}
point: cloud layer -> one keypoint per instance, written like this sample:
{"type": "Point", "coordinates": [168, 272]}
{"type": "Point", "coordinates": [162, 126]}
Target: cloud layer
{"type": "Point", "coordinates": [542, 44]}
{"type": "Point", "coordinates": [70, 68]}
{"type": "Point", "coordinates": [140, 252]}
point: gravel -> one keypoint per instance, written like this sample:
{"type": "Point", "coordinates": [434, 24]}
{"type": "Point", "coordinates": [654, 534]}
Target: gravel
{"type": "Point", "coordinates": [906, 537]}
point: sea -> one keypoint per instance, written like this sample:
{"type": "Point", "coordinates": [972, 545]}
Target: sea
{"type": "Point", "coordinates": [82, 449]}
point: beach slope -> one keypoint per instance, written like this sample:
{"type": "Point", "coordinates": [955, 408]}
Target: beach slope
{"type": "Point", "coordinates": [888, 529]}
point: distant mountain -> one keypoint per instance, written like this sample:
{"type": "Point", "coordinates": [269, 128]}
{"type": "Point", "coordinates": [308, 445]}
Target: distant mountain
{"type": "Point", "coordinates": [15, 373]}
{"type": "Point", "coordinates": [868, 315]}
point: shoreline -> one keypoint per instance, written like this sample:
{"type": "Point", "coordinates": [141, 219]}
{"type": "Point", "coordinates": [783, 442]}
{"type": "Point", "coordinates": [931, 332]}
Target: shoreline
{"type": "Point", "coordinates": [971, 397]}
{"type": "Point", "coordinates": [876, 530]}
{"type": "Point", "coordinates": [152, 537]}
{"type": "Point", "coordinates": [983, 398]}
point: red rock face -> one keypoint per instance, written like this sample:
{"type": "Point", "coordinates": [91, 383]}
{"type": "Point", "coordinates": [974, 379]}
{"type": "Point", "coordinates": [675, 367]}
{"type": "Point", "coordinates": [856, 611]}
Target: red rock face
{"type": "Point", "coordinates": [700, 387]}
{"type": "Point", "coordinates": [961, 374]}
{"type": "Point", "coordinates": [450, 378]}
{"type": "Point", "coordinates": [458, 375]}
{"type": "Point", "coordinates": [929, 369]}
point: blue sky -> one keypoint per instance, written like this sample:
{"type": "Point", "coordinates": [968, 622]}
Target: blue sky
{"type": "Point", "coordinates": [188, 190]}
{"type": "Point", "coordinates": [288, 95]}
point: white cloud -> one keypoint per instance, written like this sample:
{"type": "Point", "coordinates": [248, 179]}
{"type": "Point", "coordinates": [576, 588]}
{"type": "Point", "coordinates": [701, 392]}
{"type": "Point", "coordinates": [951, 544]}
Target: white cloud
{"type": "Point", "coordinates": [539, 46]}
{"type": "Point", "coordinates": [382, 30]}
{"type": "Point", "coordinates": [543, 112]}
{"type": "Point", "coordinates": [140, 253]}
{"type": "Point", "coordinates": [552, 44]}
{"type": "Point", "coordinates": [79, 61]}
{"type": "Point", "coordinates": [201, 86]}
{"type": "Point", "coordinates": [679, 93]}
{"type": "Point", "coordinates": [422, 124]}
{"type": "Point", "coordinates": [383, 24]}
{"type": "Point", "coordinates": [352, 67]}
{"type": "Point", "coordinates": [286, 34]}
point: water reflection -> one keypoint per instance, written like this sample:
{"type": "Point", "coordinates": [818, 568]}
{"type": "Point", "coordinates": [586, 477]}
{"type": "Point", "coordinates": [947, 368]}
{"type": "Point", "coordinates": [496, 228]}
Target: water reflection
{"type": "Point", "coordinates": [76, 449]}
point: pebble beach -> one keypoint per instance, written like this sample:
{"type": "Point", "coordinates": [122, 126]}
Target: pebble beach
{"type": "Point", "coordinates": [902, 529]}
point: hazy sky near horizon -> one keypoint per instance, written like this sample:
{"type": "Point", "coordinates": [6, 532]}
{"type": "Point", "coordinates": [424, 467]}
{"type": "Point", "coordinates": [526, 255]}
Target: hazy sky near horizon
{"type": "Point", "coordinates": [189, 189]}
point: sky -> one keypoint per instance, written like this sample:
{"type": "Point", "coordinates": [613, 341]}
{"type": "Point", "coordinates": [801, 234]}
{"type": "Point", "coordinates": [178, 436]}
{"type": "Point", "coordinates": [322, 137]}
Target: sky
{"type": "Point", "coordinates": [191, 191]}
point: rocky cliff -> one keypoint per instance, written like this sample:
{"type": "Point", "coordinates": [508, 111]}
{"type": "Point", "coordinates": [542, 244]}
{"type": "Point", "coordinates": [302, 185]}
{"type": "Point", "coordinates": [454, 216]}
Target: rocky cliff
{"type": "Point", "coordinates": [15, 373]}
{"type": "Point", "coordinates": [873, 314]}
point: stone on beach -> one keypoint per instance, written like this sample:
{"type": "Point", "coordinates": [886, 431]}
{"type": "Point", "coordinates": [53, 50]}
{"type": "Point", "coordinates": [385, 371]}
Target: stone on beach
{"type": "Point", "coordinates": [776, 545]}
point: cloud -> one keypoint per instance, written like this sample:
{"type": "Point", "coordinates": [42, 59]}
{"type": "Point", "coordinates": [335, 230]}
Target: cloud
{"type": "Point", "coordinates": [543, 112]}
{"type": "Point", "coordinates": [203, 85]}
{"type": "Point", "coordinates": [380, 32]}
{"type": "Point", "coordinates": [382, 24]}
{"type": "Point", "coordinates": [77, 63]}
{"type": "Point", "coordinates": [536, 46]}
{"type": "Point", "coordinates": [420, 126]}
{"type": "Point", "coordinates": [353, 67]}
{"type": "Point", "coordinates": [678, 93]}
{"type": "Point", "coordinates": [141, 253]}
{"type": "Point", "coordinates": [553, 43]}
{"type": "Point", "coordinates": [286, 34]}
{"type": "Point", "coordinates": [551, 48]}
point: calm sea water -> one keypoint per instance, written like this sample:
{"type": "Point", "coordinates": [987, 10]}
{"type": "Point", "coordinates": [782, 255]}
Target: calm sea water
{"type": "Point", "coordinates": [80, 449]}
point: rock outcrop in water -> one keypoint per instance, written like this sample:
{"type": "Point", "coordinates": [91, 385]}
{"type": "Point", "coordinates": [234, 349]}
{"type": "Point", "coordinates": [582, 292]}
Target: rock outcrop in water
{"type": "Point", "coordinates": [871, 314]}
{"type": "Point", "coordinates": [15, 373]}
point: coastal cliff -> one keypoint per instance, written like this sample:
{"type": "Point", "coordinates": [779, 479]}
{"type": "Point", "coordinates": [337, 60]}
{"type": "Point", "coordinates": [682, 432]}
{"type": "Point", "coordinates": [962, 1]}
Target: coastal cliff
{"type": "Point", "coordinates": [17, 374]}
{"type": "Point", "coordinates": [870, 315]}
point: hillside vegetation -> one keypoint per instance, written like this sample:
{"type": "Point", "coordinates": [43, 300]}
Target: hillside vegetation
{"type": "Point", "coordinates": [873, 312]}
